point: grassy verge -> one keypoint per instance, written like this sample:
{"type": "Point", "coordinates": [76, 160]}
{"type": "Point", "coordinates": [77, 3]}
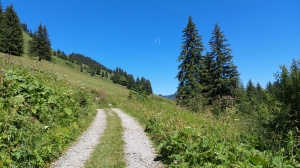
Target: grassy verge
{"type": "Point", "coordinates": [41, 114]}
{"type": "Point", "coordinates": [109, 153]}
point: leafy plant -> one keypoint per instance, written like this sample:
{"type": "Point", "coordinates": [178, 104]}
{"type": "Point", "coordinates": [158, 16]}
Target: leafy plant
{"type": "Point", "coordinates": [37, 121]}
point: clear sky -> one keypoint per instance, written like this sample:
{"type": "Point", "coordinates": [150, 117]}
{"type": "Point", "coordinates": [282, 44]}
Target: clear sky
{"type": "Point", "coordinates": [143, 37]}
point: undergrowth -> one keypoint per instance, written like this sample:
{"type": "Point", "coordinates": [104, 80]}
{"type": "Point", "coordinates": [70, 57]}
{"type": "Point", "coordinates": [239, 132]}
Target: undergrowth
{"type": "Point", "coordinates": [185, 139]}
{"type": "Point", "coordinates": [41, 115]}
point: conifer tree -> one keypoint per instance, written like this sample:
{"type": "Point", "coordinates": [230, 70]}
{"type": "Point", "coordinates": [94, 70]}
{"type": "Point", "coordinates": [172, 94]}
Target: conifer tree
{"type": "Point", "coordinates": [122, 80]}
{"type": "Point", "coordinates": [143, 81]}
{"type": "Point", "coordinates": [260, 92]}
{"type": "Point", "coordinates": [106, 74]}
{"type": "Point", "coordinates": [40, 44]}
{"type": "Point", "coordinates": [207, 74]}
{"type": "Point", "coordinates": [190, 59]}
{"type": "Point", "coordinates": [251, 90]}
{"type": "Point", "coordinates": [115, 78]}
{"type": "Point", "coordinates": [148, 87]}
{"type": "Point", "coordinates": [225, 75]}
{"type": "Point", "coordinates": [137, 81]}
{"type": "Point", "coordinates": [130, 82]}
{"type": "Point", "coordinates": [13, 41]}
{"type": "Point", "coordinates": [81, 68]}
{"type": "Point", "coordinates": [98, 71]}
{"type": "Point", "coordinates": [2, 29]}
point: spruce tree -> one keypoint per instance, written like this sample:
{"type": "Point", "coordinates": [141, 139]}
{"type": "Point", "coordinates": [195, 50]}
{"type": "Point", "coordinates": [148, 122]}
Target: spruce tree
{"type": "Point", "coordinates": [2, 29]}
{"type": "Point", "coordinates": [251, 90]}
{"type": "Point", "coordinates": [13, 43]}
{"type": "Point", "coordinates": [137, 81]}
{"type": "Point", "coordinates": [190, 59]}
{"type": "Point", "coordinates": [81, 68]}
{"type": "Point", "coordinates": [106, 74]}
{"type": "Point", "coordinates": [207, 74]}
{"type": "Point", "coordinates": [122, 80]}
{"type": "Point", "coordinates": [148, 87]}
{"type": "Point", "coordinates": [130, 82]}
{"type": "Point", "coordinates": [225, 75]}
{"type": "Point", "coordinates": [40, 44]}
{"type": "Point", "coordinates": [115, 78]}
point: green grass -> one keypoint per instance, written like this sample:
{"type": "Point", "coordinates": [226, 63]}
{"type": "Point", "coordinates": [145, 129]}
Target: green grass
{"type": "Point", "coordinates": [40, 114]}
{"type": "Point", "coordinates": [170, 118]}
{"type": "Point", "coordinates": [109, 153]}
{"type": "Point", "coordinates": [166, 123]}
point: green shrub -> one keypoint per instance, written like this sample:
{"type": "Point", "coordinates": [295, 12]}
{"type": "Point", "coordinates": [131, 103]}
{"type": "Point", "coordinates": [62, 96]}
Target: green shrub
{"type": "Point", "coordinates": [38, 121]}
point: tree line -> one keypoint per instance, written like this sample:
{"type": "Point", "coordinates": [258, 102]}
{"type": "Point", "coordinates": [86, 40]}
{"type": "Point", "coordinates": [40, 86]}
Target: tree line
{"type": "Point", "coordinates": [139, 85]}
{"type": "Point", "coordinates": [12, 42]}
{"type": "Point", "coordinates": [204, 78]}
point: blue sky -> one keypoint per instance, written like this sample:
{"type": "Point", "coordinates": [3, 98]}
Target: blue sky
{"type": "Point", "coordinates": [143, 37]}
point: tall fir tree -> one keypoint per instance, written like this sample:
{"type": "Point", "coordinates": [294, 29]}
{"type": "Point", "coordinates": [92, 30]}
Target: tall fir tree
{"type": "Point", "coordinates": [207, 80]}
{"type": "Point", "coordinates": [13, 40]}
{"type": "Point", "coordinates": [2, 29]}
{"type": "Point", "coordinates": [81, 68]}
{"type": "Point", "coordinates": [106, 74]}
{"type": "Point", "coordinates": [224, 75]}
{"type": "Point", "coordinates": [191, 60]}
{"type": "Point", "coordinates": [148, 87]}
{"type": "Point", "coordinates": [40, 44]}
{"type": "Point", "coordinates": [130, 82]}
{"type": "Point", "coordinates": [251, 90]}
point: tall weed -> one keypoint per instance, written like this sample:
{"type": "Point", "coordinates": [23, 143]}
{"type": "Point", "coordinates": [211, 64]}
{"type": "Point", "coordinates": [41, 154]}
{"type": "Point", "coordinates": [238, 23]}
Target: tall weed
{"type": "Point", "coordinates": [40, 115]}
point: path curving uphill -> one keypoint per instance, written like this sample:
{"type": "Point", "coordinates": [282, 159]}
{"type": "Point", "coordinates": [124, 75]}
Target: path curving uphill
{"type": "Point", "coordinates": [138, 149]}
{"type": "Point", "coordinates": [81, 150]}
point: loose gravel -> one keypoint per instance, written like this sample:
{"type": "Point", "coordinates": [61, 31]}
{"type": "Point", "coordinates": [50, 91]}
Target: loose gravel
{"type": "Point", "coordinates": [138, 149]}
{"type": "Point", "coordinates": [81, 150]}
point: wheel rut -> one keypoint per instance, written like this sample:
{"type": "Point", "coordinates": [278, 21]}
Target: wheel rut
{"type": "Point", "coordinates": [81, 150]}
{"type": "Point", "coordinates": [138, 150]}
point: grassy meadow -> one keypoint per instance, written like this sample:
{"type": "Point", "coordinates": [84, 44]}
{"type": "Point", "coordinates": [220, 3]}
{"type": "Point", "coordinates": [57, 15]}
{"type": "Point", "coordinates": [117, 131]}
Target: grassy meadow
{"type": "Point", "coordinates": [51, 103]}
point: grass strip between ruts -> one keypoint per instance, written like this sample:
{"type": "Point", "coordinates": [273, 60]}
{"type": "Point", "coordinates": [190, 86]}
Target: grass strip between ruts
{"type": "Point", "coordinates": [109, 152]}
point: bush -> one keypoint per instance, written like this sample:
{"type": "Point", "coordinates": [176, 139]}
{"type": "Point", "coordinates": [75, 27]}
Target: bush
{"type": "Point", "coordinates": [38, 121]}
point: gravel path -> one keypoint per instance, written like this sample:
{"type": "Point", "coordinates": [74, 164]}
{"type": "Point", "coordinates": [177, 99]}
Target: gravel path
{"type": "Point", "coordinates": [138, 150]}
{"type": "Point", "coordinates": [81, 150]}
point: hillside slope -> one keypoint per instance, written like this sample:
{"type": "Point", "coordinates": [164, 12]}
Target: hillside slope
{"type": "Point", "coordinates": [182, 138]}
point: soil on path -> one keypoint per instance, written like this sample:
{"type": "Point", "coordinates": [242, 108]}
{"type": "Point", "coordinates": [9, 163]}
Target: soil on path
{"type": "Point", "coordinates": [138, 149]}
{"type": "Point", "coordinates": [81, 150]}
